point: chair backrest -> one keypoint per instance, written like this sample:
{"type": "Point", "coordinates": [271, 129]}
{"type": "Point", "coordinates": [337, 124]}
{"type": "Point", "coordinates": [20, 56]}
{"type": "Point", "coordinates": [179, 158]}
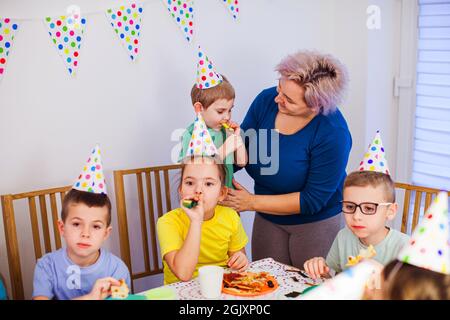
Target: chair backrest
{"type": "Point", "coordinates": [12, 242]}
{"type": "Point", "coordinates": [149, 189]}
{"type": "Point", "coordinates": [416, 192]}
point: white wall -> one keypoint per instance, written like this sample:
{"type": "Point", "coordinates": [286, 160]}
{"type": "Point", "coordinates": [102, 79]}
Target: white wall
{"type": "Point", "coordinates": [49, 122]}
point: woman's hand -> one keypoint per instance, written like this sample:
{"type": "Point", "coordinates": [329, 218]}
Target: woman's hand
{"type": "Point", "coordinates": [239, 199]}
{"type": "Point", "coordinates": [238, 261]}
{"type": "Point", "coordinates": [197, 213]}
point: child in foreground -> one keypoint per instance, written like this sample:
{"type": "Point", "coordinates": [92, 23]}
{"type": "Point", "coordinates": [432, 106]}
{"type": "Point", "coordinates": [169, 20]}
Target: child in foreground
{"type": "Point", "coordinates": [369, 203]}
{"type": "Point", "coordinates": [207, 233]}
{"type": "Point", "coordinates": [82, 270]}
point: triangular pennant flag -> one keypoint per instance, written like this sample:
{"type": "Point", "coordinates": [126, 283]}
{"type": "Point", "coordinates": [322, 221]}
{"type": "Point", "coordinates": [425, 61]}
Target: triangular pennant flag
{"type": "Point", "coordinates": [182, 11]}
{"type": "Point", "coordinates": [67, 34]}
{"type": "Point", "coordinates": [375, 159]}
{"type": "Point", "coordinates": [91, 178]}
{"type": "Point", "coordinates": [126, 21]}
{"type": "Point", "coordinates": [232, 6]}
{"type": "Point", "coordinates": [8, 29]}
{"type": "Point", "coordinates": [429, 246]}
{"type": "Point", "coordinates": [347, 285]}
{"type": "Point", "coordinates": [207, 77]}
{"type": "Point", "coordinates": [201, 143]}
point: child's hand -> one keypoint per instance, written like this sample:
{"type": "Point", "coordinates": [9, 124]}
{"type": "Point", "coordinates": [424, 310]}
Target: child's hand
{"type": "Point", "coordinates": [238, 261]}
{"type": "Point", "coordinates": [196, 213]}
{"type": "Point", "coordinates": [235, 127]}
{"type": "Point", "coordinates": [231, 144]}
{"type": "Point", "coordinates": [102, 288]}
{"type": "Point", "coordinates": [316, 267]}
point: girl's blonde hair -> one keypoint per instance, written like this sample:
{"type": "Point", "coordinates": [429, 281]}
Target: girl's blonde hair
{"type": "Point", "coordinates": [323, 77]}
{"type": "Point", "coordinates": [407, 282]}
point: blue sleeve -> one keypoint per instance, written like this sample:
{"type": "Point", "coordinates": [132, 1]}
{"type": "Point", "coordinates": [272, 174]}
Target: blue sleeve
{"type": "Point", "coordinates": [121, 272]}
{"type": "Point", "coordinates": [43, 279]}
{"type": "Point", "coordinates": [329, 158]}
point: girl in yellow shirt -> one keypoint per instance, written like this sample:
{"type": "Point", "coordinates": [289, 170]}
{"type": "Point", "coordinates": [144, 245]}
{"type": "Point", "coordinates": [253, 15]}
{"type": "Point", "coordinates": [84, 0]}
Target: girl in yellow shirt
{"type": "Point", "coordinates": [207, 234]}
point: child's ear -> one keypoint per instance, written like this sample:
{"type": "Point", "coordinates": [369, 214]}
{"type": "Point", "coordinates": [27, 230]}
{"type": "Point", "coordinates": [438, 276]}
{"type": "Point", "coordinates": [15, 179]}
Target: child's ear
{"type": "Point", "coordinates": [392, 211]}
{"type": "Point", "coordinates": [61, 227]}
{"type": "Point", "coordinates": [223, 193]}
{"type": "Point", "coordinates": [198, 107]}
{"type": "Point", "coordinates": [108, 232]}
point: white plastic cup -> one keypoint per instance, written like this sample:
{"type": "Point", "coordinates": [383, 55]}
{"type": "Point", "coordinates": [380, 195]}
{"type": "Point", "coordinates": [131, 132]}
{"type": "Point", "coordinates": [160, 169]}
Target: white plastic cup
{"type": "Point", "coordinates": [210, 278]}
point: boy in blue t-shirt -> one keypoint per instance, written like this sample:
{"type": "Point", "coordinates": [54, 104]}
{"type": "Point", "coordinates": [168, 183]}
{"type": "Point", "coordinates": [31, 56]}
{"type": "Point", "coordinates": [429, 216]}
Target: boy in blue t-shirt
{"type": "Point", "coordinates": [82, 269]}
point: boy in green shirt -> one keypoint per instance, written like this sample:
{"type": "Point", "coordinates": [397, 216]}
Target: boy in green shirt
{"type": "Point", "coordinates": [213, 98]}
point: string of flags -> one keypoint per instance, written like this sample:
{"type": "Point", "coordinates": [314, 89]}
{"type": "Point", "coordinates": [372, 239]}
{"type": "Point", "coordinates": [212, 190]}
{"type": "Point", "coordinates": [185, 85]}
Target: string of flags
{"type": "Point", "coordinates": [67, 31]}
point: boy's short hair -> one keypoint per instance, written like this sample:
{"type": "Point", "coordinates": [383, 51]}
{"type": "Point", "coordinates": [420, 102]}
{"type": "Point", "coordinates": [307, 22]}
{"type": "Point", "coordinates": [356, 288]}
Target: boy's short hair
{"type": "Point", "coordinates": [208, 96]}
{"type": "Point", "coordinates": [373, 179]}
{"type": "Point", "coordinates": [89, 199]}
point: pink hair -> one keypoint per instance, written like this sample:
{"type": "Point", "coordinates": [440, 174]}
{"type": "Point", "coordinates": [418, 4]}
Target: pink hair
{"type": "Point", "coordinates": [323, 77]}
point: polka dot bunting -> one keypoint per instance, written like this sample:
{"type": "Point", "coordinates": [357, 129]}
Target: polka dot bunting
{"type": "Point", "coordinates": [127, 23]}
{"type": "Point", "coordinates": [66, 34]}
{"type": "Point", "coordinates": [375, 158]}
{"type": "Point", "coordinates": [91, 178]}
{"type": "Point", "coordinates": [182, 11]}
{"type": "Point", "coordinates": [201, 143]}
{"type": "Point", "coordinates": [232, 6]}
{"type": "Point", "coordinates": [207, 77]}
{"type": "Point", "coordinates": [8, 28]}
{"type": "Point", "coordinates": [429, 246]}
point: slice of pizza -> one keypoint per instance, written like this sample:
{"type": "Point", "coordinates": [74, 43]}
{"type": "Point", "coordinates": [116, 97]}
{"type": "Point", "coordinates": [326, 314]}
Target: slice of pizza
{"type": "Point", "coordinates": [363, 254]}
{"type": "Point", "coordinates": [121, 291]}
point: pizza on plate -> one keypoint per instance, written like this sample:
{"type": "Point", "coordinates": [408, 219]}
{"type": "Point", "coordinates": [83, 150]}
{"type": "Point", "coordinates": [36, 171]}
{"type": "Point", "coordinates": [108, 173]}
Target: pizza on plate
{"type": "Point", "coordinates": [248, 283]}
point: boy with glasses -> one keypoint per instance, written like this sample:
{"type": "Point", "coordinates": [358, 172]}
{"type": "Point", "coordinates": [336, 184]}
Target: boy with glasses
{"type": "Point", "coordinates": [369, 202]}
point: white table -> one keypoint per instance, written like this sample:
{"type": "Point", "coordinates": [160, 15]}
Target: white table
{"type": "Point", "coordinates": [191, 290]}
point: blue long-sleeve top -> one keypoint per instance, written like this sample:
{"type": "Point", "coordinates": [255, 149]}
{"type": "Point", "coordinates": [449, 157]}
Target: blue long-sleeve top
{"type": "Point", "coordinates": [312, 161]}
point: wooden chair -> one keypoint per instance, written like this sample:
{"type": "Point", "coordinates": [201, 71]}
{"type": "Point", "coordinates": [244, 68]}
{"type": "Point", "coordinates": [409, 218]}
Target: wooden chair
{"type": "Point", "coordinates": [146, 194]}
{"type": "Point", "coordinates": [12, 242]}
{"type": "Point", "coordinates": [418, 193]}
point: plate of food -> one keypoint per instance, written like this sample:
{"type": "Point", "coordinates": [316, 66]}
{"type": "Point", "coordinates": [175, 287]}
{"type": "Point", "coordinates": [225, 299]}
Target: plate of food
{"type": "Point", "coordinates": [249, 284]}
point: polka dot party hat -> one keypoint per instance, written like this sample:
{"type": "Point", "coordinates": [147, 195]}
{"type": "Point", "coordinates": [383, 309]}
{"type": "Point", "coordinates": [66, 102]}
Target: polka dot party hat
{"type": "Point", "coordinates": [8, 30]}
{"type": "Point", "coordinates": [207, 77]}
{"type": "Point", "coordinates": [375, 159]}
{"type": "Point", "coordinates": [66, 34]}
{"type": "Point", "coordinates": [233, 7]}
{"type": "Point", "coordinates": [429, 246]}
{"type": "Point", "coordinates": [201, 143]}
{"type": "Point", "coordinates": [182, 11]}
{"type": "Point", "coordinates": [347, 285]}
{"type": "Point", "coordinates": [91, 178]}
{"type": "Point", "coordinates": [126, 21]}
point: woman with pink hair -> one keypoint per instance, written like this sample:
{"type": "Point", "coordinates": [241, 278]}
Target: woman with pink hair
{"type": "Point", "coordinates": [297, 206]}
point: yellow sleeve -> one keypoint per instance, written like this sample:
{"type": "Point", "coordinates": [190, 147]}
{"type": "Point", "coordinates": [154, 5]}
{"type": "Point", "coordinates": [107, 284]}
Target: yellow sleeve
{"type": "Point", "coordinates": [239, 238]}
{"type": "Point", "coordinates": [169, 235]}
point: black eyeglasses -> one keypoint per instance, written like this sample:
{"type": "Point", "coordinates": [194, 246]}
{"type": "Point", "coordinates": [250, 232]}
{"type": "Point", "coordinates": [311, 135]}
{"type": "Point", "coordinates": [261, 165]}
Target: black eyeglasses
{"type": "Point", "coordinates": [368, 208]}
